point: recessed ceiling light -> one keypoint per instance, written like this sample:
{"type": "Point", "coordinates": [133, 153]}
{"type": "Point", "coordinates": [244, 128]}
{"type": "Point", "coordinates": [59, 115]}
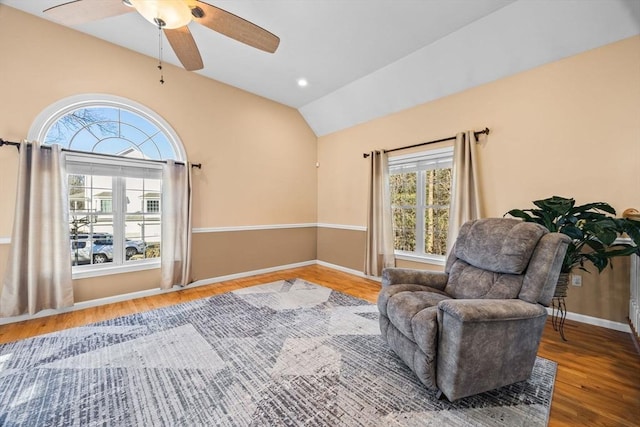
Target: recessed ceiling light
{"type": "Point", "coordinates": [302, 82]}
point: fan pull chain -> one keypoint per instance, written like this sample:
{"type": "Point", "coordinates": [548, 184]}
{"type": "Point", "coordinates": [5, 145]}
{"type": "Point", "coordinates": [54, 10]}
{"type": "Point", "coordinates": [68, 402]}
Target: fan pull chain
{"type": "Point", "coordinates": [160, 54]}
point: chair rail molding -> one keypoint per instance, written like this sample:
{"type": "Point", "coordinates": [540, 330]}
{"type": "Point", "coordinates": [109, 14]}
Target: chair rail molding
{"type": "Point", "coordinates": [342, 226]}
{"type": "Point", "coordinates": [251, 227]}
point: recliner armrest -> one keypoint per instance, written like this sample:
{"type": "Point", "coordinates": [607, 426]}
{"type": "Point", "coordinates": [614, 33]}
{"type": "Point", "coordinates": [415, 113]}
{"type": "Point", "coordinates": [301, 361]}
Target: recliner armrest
{"type": "Point", "coordinates": [484, 310]}
{"type": "Point", "coordinates": [486, 343]}
{"type": "Point", "coordinates": [432, 279]}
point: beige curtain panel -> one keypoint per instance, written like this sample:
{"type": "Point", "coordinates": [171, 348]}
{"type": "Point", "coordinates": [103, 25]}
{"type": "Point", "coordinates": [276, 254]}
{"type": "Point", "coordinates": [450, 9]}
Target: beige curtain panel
{"type": "Point", "coordinates": [379, 238]}
{"type": "Point", "coordinates": [465, 196]}
{"type": "Point", "coordinates": [175, 248]}
{"type": "Point", "coordinates": [38, 274]}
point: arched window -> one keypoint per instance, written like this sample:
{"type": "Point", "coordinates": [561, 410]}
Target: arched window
{"type": "Point", "coordinates": [115, 210]}
{"type": "Point", "coordinates": [107, 124]}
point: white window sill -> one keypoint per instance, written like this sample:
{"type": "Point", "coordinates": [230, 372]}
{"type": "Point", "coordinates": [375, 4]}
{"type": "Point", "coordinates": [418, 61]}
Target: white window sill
{"type": "Point", "coordinates": [426, 259]}
{"type": "Point", "coordinates": [86, 271]}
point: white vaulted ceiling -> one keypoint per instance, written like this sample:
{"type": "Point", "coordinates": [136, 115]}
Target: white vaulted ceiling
{"type": "Point", "coordinates": [367, 58]}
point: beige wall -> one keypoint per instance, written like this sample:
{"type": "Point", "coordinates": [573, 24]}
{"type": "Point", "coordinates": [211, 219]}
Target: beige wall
{"type": "Point", "coordinates": [239, 251]}
{"type": "Point", "coordinates": [258, 156]}
{"type": "Point", "coordinates": [115, 284]}
{"type": "Point", "coordinates": [605, 295]}
{"type": "Point", "coordinates": [341, 247]}
{"type": "Point", "coordinates": [570, 128]}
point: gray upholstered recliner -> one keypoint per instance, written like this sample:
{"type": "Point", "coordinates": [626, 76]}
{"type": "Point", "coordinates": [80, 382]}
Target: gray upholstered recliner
{"type": "Point", "coordinates": [477, 326]}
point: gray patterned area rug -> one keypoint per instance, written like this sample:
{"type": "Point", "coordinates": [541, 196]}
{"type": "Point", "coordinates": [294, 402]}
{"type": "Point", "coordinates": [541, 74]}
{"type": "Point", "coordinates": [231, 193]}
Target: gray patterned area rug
{"type": "Point", "coordinates": [288, 353]}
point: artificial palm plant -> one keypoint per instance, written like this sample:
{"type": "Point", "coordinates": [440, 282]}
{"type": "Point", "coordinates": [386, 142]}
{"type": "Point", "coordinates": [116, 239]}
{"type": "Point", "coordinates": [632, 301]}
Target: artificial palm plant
{"type": "Point", "coordinates": [592, 227]}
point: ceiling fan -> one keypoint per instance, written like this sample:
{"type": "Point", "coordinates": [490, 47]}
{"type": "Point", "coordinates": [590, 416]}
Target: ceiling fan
{"type": "Point", "coordinates": [173, 17]}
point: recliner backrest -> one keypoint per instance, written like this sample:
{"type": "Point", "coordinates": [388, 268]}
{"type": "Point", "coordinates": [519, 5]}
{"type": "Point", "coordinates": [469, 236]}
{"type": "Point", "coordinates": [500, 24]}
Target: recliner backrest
{"type": "Point", "coordinates": [490, 256]}
{"type": "Point", "coordinates": [502, 245]}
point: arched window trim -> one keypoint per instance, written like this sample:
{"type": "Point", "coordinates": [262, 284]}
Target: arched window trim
{"type": "Point", "coordinates": [55, 111]}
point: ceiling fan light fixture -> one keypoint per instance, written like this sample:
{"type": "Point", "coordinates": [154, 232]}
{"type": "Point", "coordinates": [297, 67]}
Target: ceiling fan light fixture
{"type": "Point", "coordinates": [168, 14]}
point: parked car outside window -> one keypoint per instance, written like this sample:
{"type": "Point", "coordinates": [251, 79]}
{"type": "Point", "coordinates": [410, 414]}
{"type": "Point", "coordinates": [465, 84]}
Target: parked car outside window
{"type": "Point", "coordinates": [101, 249]}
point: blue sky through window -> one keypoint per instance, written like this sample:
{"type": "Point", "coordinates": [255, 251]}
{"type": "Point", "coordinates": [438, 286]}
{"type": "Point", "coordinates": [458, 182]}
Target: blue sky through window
{"type": "Point", "coordinates": [110, 130]}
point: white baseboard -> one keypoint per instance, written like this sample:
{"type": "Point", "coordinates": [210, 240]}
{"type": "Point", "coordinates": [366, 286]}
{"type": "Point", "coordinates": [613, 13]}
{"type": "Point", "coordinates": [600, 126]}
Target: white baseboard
{"type": "Point", "coordinates": [347, 270]}
{"type": "Point", "coordinates": [133, 295]}
{"type": "Point", "coordinates": [596, 321]}
{"type": "Point", "coordinates": [249, 273]}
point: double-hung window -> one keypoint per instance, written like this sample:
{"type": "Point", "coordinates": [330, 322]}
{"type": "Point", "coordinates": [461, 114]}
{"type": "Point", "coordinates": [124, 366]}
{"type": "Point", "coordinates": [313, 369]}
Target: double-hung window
{"type": "Point", "coordinates": [420, 187]}
{"type": "Point", "coordinates": [112, 224]}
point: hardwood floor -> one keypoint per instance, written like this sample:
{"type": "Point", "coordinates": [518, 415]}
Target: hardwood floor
{"type": "Point", "coordinates": [598, 379]}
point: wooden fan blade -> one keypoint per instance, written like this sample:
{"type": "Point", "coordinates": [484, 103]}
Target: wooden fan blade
{"type": "Point", "coordinates": [81, 11]}
{"type": "Point", "coordinates": [185, 48]}
{"type": "Point", "coordinates": [233, 26]}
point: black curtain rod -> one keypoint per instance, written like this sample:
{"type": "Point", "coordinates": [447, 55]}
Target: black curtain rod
{"type": "Point", "coordinates": [485, 131]}
{"type": "Point", "coordinates": [17, 145]}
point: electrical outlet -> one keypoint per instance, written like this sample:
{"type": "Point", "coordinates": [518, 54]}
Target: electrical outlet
{"type": "Point", "coordinates": [576, 280]}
